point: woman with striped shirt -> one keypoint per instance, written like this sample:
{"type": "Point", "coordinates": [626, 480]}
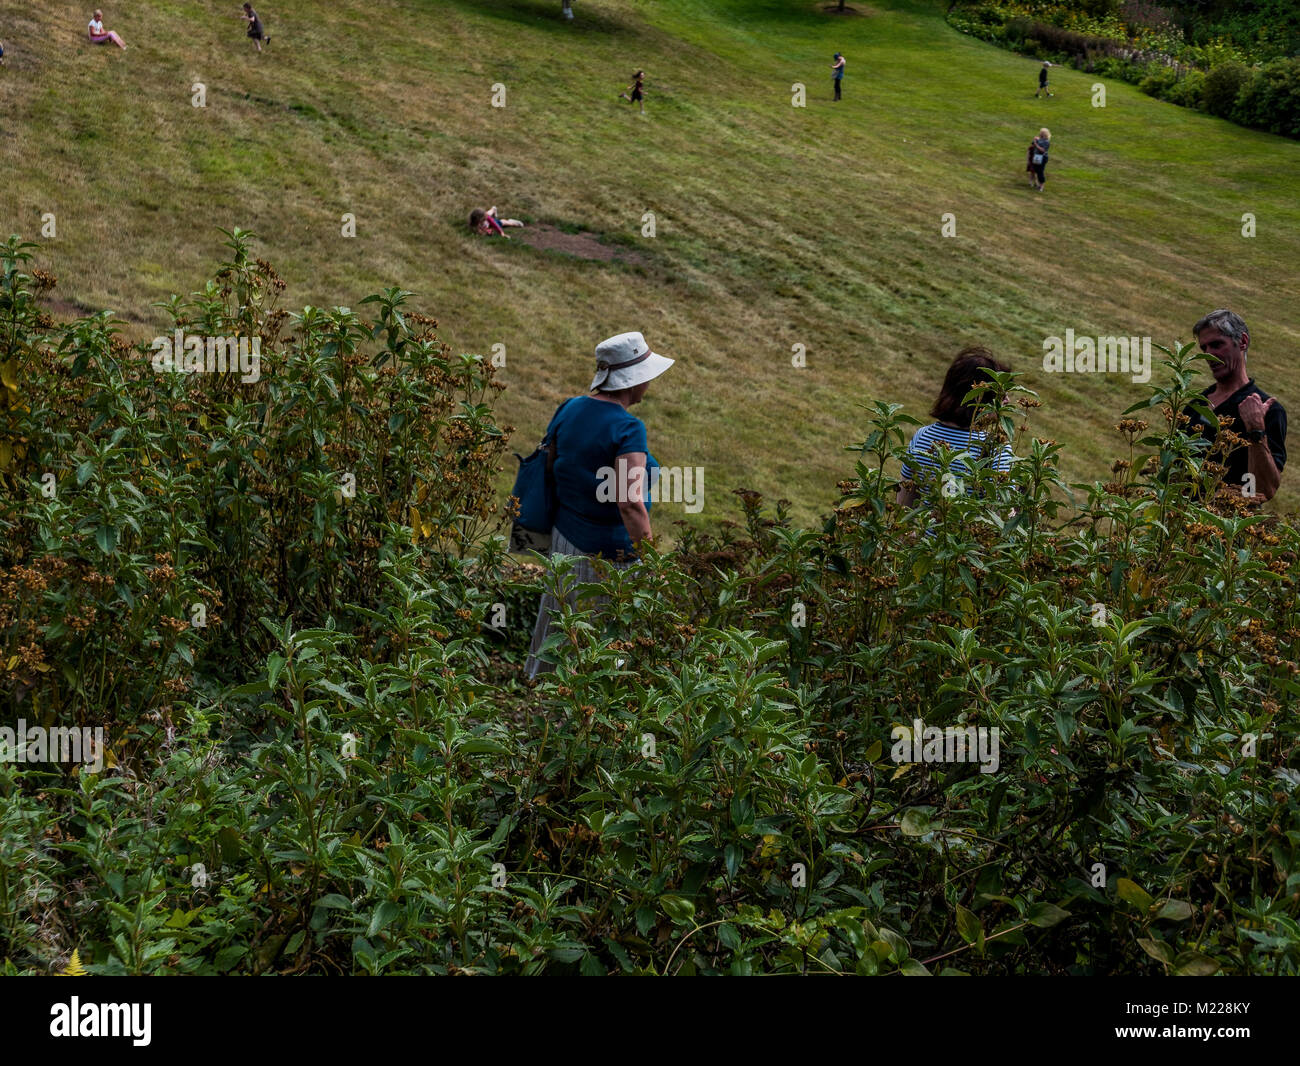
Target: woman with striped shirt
{"type": "Point", "coordinates": [953, 412]}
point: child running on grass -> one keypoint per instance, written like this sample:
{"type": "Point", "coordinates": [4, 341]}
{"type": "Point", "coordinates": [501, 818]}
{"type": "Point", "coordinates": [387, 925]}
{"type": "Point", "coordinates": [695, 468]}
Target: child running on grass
{"type": "Point", "coordinates": [255, 33]}
{"type": "Point", "coordinates": [636, 89]}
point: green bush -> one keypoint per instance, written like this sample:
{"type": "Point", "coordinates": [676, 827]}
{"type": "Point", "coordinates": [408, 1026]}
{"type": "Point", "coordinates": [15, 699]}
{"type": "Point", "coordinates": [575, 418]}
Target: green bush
{"type": "Point", "coordinates": [1188, 91]}
{"type": "Point", "coordinates": [1159, 82]}
{"type": "Point", "coordinates": [1222, 84]}
{"type": "Point", "coordinates": [1114, 67]}
{"type": "Point", "coordinates": [1270, 98]}
{"type": "Point", "coordinates": [1185, 88]}
{"type": "Point", "coordinates": [709, 781]}
{"type": "Point", "coordinates": [135, 536]}
{"type": "Point", "coordinates": [1201, 65]}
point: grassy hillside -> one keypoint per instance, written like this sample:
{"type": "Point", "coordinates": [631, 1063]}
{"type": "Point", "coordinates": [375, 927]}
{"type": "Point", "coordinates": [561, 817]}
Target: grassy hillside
{"type": "Point", "coordinates": [776, 225]}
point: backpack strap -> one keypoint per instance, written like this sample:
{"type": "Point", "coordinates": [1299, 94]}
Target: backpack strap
{"type": "Point", "coordinates": [549, 440]}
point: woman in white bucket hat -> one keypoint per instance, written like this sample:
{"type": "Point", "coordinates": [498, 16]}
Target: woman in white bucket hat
{"type": "Point", "coordinates": [603, 471]}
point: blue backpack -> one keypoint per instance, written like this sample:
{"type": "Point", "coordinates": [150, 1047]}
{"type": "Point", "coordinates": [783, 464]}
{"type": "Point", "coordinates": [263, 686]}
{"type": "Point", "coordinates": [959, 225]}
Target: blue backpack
{"type": "Point", "coordinates": [535, 491]}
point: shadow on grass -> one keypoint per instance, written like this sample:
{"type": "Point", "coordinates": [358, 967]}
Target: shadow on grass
{"type": "Point", "coordinates": [545, 15]}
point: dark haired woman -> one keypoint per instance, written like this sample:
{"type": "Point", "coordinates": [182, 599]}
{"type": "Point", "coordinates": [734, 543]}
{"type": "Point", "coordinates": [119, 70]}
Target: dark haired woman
{"type": "Point", "coordinates": [953, 412]}
{"type": "Point", "coordinates": [487, 223]}
{"type": "Point", "coordinates": [637, 89]}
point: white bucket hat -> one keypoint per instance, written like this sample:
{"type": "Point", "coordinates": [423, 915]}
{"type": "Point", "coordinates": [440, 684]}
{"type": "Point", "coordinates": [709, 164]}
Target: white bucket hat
{"type": "Point", "coordinates": [626, 360]}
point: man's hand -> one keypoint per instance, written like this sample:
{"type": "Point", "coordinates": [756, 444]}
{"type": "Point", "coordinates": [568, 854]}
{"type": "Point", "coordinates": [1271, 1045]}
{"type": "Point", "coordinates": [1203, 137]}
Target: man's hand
{"type": "Point", "coordinates": [1252, 410]}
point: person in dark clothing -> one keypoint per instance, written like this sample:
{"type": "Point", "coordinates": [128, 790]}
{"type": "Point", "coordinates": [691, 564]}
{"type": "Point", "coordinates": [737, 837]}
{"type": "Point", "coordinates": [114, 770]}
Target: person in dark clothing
{"type": "Point", "coordinates": [1042, 80]}
{"type": "Point", "coordinates": [837, 73]}
{"type": "Point", "coordinates": [637, 89]}
{"type": "Point", "coordinates": [1256, 468]}
{"type": "Point", "coordinates": [255, 33]}
{"type": "Point", "coordinates": [1036, 160]}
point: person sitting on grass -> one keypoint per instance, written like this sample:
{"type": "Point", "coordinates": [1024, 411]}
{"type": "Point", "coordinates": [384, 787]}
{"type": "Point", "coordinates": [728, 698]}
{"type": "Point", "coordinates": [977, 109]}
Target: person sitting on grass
{"type": "Point", "coordinates": [487, 223]}
{"type": "Point", "coordinates": [953, 412]}
{"type": "Point", "coordinates": [255, 33]}
{"type": "Point", "coordinates": [99, 35]}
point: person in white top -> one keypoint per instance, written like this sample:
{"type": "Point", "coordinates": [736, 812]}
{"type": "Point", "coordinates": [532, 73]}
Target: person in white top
{"type": "Point", "coordinates": [98, 35]}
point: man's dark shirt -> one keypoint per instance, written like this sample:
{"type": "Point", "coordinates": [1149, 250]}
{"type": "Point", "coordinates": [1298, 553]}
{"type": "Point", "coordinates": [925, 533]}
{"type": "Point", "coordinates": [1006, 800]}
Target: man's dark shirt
{"type": "Point", "coordinates": [1238, 461]}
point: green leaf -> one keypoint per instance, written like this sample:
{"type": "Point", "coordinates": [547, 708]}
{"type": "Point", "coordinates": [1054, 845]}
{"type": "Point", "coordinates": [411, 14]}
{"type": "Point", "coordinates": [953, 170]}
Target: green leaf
{"type": "Point", "coordinates": [180, 919]}
{"type": "Point", "coordinates": [384, 915]}
{"type": "Point", "coordinates": [274, 664]}
{"type": "Point", "coordinates": [912, 968]}
{"type": "Point", "coordinates": [106, 538]}
{"type": "Point", "coordinates": [1133, 893]}
{"type": "Point", "coordinates": [1176, 910]}
{"type": "Point", "coordinates": [678, 909]}
{"type": "Point", "coordinates": [1158, 950]}
{"type": "Point", "coordinates": [970, 928]}
{"type": "Point", "coordinates": [336, 901]}
{"type": "Point", "coordinates": [915, 822]}
{"type": "Point", "coordinates": [1194, 964]}
{"type": "Point", "coordinates": [1045, 915]}
{"type": "Point", "coordinates": [728, 937]}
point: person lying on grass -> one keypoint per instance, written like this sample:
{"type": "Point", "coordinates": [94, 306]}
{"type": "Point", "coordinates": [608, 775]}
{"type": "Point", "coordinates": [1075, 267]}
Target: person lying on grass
{"type": "Point", "coordinates": [487, 223]}
{"type": "Point", "coordinates": [99, 35]}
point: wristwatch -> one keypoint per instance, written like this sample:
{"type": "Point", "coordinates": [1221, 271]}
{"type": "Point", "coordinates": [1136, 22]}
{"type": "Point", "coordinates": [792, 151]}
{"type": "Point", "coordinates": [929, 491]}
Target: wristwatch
{"type": "Point", "coordinates": [1254, 435]}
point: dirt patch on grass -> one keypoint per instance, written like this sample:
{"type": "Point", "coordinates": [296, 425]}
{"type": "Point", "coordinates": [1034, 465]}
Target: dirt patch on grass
{"type": "Point", "coordinates": [835, 9]}
{"type": "Point", "coordinates": [69, 311]}
{"type": "Point", "coordinates": [65, 310]}
{"type": "Point", "coordinates": [582, 244]}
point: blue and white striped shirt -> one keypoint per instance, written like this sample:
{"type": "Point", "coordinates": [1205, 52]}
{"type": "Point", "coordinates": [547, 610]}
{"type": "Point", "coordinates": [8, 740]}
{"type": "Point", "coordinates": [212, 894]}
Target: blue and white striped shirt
{"type": "Point", "coordinates": [924, 444]}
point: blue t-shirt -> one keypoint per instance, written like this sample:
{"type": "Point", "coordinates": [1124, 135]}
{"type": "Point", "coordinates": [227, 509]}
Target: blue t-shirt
{"type": "Point", "coordinates": [589, 434]}
{"type": "Point", "coordinates": [926, 462]}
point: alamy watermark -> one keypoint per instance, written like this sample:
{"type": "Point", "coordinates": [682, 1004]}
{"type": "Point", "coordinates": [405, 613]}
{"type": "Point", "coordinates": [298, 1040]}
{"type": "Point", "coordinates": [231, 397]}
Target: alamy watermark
{"type": "Point", "coordinates": [668, 484]}
{"type": "Point", "coordinates": [209, 355]}
{"type": "Point", "coordinates": [1098, 355]}
{"type": "Point", "coordinates": [53, 744]}
{"type": "Point", "coordinates": [79, 1019]}
{"type": "Point", "coordinates": [952, 743]}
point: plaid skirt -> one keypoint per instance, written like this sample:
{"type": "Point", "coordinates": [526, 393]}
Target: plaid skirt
{"type": "Point", "coordinates": [582, 572]}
